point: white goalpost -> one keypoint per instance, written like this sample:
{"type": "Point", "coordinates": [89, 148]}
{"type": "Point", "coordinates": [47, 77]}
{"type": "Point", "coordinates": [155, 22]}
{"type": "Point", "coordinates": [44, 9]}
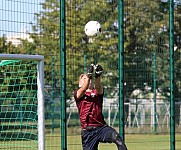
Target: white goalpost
{"type": "Point", "coordinates": [22, 101]}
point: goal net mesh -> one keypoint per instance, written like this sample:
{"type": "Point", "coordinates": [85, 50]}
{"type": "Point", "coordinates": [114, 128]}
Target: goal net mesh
{"type": "Point", "coordinates": [18, 105]}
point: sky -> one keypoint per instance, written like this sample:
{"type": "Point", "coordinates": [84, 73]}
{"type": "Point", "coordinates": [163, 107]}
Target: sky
{"type": "Point", "coordinates": [16, 15]}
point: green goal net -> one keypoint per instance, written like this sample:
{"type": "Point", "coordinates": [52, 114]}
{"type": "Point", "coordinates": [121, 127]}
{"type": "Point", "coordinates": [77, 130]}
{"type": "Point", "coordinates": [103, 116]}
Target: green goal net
{"type": "Point", "coordinates": [21, 102]}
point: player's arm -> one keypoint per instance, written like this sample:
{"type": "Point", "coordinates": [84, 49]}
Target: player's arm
{"type": "Point", "coordinates": [98, 85]}
{"type": "Point", "coordinates": [98, 73]}
{"type": "Point", "coordinates": [85, 81]}
{"type": "Point", "coordinates": [84, 86]}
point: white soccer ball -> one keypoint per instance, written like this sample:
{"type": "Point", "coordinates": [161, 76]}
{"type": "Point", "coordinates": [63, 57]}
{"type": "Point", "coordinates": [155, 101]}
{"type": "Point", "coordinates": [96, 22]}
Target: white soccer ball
{"type": "Point", "coordinates": [92, 28]}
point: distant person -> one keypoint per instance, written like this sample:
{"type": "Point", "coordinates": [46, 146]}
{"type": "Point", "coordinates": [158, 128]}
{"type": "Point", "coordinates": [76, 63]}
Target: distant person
{"type": "Point", "coordinates": [89, 101]}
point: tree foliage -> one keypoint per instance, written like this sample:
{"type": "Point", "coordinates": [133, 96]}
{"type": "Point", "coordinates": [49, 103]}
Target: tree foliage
{"type": "Point", "coordinates": [146, 31]}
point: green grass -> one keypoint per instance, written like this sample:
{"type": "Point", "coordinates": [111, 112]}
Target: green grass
{"type": "Point", "coordinates": [133, 142]}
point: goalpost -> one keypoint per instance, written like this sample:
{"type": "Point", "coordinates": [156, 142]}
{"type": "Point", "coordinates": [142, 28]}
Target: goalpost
{"type": "Point", "coordinates": [22, 102]}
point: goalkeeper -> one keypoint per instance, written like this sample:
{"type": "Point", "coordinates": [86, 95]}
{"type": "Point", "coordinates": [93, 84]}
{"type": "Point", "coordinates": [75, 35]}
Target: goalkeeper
{"type": "Point", "coordinates": [89, 101]}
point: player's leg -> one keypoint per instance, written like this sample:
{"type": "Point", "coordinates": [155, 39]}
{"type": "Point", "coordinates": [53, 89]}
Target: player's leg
{"type": "Point", "coordinates": [118, 140]}
{"type": "Point", "coordinates": [89, 140]}
{"type": "Point", "coordinates": [110, 135]}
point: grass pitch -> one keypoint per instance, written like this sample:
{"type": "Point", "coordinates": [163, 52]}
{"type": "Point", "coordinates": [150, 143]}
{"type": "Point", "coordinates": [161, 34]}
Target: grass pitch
{"type": "Point", "coordinates": [133, 142]}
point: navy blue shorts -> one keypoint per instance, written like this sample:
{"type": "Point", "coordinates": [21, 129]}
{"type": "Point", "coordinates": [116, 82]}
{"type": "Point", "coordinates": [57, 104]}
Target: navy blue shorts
{"type": "Point", "coordinates": [91, 138]}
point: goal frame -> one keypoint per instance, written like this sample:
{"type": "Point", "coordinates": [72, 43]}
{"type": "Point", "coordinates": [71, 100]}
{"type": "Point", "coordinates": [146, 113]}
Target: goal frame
{"type": "Point", "coordinates": [40, 93]}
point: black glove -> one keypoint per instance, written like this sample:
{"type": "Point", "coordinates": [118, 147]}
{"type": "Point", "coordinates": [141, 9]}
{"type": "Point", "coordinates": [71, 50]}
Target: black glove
{"type": "Point", "coordinates": [90, 70]}
{"type": "Point", "coordinates": [98, 70]}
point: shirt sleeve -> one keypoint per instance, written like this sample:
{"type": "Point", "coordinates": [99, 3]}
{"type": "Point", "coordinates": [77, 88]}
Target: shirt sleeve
{"type": "Point", "coordinates": [75, 95]}
{"type": "Point", "coordinates": [102, 93]}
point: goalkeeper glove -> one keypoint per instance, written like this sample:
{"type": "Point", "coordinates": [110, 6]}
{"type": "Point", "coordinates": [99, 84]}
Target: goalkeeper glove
{"type": "Point", "coordinates": [98, 70]}
{"type": "Point", "coordinates": [90, 70]}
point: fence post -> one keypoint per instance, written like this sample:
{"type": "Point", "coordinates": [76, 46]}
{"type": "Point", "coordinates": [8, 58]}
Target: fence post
{"type": "Point", "coordinates": [63, 75]}
{"type": "Point", "coordinates": [52, 94]}
{"type": "Point", "coordinates": [121, 66]}
{"type": "Point", "coordinates": [172, 103]}
{"type": "Point", "coordinates": [155, 93]}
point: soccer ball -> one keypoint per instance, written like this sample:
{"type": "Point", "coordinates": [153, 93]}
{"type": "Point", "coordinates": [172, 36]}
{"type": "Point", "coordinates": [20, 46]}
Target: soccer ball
{"type": "Point", "coordinates": [92, 28]}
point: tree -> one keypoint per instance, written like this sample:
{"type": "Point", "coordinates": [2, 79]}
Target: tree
{"type": "Point", "coordinates": [146, 31]}
{"type": "Point", "coordinates": [3, 46]}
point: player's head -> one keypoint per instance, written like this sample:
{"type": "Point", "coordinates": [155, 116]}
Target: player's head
{"type": "Point", "coordinates": [82, 79]}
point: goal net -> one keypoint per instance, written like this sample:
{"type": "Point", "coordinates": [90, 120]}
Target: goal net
{"type": "Point", "coordinates": [21, 102]}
